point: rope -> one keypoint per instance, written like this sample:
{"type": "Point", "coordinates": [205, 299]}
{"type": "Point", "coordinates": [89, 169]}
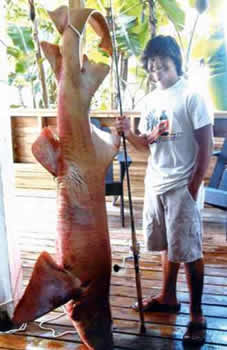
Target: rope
{"type": "Point", "coordinates": [54, 335]}
{"type": "Point", "coordinates": [22, 328]}
{"type": "Point", "coordinates": [75, 30]}
{"type": "Point", "coordinates": [80, 35]}
{"type": "Point", "coordinates": [133, 233]}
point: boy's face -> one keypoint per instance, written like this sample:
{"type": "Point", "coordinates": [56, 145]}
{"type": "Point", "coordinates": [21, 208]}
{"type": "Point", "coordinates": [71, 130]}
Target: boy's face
{"type": "Point", "coordinates": [162, 71]}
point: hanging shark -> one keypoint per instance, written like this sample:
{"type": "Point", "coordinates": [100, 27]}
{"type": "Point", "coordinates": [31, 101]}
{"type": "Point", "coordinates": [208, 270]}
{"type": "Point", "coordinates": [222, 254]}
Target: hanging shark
{"type": "Point", "coordinates": [78, 157]}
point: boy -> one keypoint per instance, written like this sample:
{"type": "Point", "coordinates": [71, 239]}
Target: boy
{"type": "Point", "coordinates": [177, 128]}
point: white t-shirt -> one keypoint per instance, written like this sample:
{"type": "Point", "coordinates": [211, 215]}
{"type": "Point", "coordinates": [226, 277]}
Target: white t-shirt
{"type": "Point", "coordinates": [174, 153]}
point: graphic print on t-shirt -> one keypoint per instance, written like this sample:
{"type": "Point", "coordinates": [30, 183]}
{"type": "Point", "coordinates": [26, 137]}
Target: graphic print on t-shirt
{"type": "Point", "coordinates": [160, 124]}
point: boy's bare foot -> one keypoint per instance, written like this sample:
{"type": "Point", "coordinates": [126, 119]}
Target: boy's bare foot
{"type": "Point", "coordinates": [152, 304]}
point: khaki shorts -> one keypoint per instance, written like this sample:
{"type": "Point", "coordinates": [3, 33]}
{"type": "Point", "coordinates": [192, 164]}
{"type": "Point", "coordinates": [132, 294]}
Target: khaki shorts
{"type": "Point", "coordinates": [171, 221]}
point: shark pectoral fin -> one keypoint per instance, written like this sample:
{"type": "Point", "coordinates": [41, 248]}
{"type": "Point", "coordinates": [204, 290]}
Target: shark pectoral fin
{"type": "Point", "coordinates": [105, 144]}
{"type": "Point", "coordinates": [93, 74]}
{"type": "Point", "coordinates": [46, 150]}
{"type": "Point", "coordinates": [49, 287]}
{"type": "Point", "coordinates": [53, 55]}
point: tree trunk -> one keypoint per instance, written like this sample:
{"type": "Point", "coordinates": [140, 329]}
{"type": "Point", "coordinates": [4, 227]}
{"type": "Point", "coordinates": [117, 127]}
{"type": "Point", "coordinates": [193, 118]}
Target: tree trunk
{"type": "Point", "coordinates": [115, 95]}
{"type": "Point", "coordinates": [20, 88]}
{"type": "Point", "coordinates": [152, 17]}
{"type": "Point", "coordinates": [124, 71]}
{"type": "Point", "coordinates": [38, 54]}
{"type": "Point", "coordinates": [113, 88]}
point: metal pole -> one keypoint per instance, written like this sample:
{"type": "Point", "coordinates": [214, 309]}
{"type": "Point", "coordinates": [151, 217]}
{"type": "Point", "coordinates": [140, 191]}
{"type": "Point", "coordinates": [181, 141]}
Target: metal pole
{"type": "Point", "coordinates": [133, 232]}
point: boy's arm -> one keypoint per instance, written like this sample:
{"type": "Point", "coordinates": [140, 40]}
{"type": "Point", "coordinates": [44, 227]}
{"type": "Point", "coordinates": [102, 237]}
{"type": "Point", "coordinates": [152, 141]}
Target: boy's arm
{"type": "Point", "coordinates": [138, 141]}
{"type": "Point", "coordinates": [204, 138]}
{"type": "Point", "coordinates": [122, 124]}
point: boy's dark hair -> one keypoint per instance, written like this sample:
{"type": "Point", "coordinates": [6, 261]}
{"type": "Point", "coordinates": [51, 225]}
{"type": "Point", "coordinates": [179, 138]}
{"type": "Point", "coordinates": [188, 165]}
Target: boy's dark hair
{"type": "Point", "coordinates": [163, 46]}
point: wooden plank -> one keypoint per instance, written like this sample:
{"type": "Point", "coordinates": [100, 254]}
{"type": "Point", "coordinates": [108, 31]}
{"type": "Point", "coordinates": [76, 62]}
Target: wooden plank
{"type": "Point", "coordinates": [18, 342]}
{"type": "Point", "coordinates": [26, 112]}
{"type": "Point", "coordinates": [209, 310]}
{"type": "Point", "coordinates": [208, 299]}
{"type": "Point", "coordinates": [167, 326]}
{"type": "Point", "coordinates": [158, 324]}
{"type": "Point", "coordinates": [144, 266]}
{"type": "Point", "coordinates": [163, 331]}
{"type": "Point", "coordinates": [25, 131]}
{"type": "Point", "coordinates": [151, 276]}
{"type": "Point", "coordinates": [210, 289]}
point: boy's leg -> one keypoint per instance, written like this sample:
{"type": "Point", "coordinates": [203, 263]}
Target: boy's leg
{"type": "Point", "coordinates": [166, 300]}
{"type": "Point", "coordinates": [196, 329]}
{"type": "Point", "coordinates": [154, 227]}
{"type": "Point", "coordinates": [195, 276]}
{"type": "Point", "coordinates": [170, 270]}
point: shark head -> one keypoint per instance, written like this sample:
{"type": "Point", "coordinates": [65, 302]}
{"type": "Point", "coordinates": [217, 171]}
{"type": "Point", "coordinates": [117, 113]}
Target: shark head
{"type": "Point", "coordinates": [93, 322]}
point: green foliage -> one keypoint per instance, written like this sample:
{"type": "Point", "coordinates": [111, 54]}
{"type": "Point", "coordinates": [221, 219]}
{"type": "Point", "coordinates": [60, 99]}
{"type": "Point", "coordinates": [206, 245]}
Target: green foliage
{"type": "Point", "coordinates": [174, 12]}
{"type": "Point", "coordinates": [13, 52]}
{"type": "Point", "coordinates": [132, 32]}
{"type": "Point", "coordinates": [213, 50]}
{"type": "Point", "coordinates": [21, 48]}
{"type": "Point", "coordinates": [218, 60]}
{"type": "Point", "coordinates": [127, 40]}
{"type": "Point", "coordinates": [21, 56]}
{"type": "Point", "coordinates": [21, 37]}
{"type": "Point", "coordinates": [212, 47]}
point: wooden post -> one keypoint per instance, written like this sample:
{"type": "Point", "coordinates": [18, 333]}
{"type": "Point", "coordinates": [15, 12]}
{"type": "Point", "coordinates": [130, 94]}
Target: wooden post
{"type": "Point", "coordinates": [10, 266]}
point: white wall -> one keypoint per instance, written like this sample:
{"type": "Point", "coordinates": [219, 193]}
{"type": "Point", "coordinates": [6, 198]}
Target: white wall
{"type": "Point", "coordinates": [10, 266]}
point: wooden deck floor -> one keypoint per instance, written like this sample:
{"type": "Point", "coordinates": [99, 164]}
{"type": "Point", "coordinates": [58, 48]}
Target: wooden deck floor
{"type": "Point", "coordinates": [35, 223]}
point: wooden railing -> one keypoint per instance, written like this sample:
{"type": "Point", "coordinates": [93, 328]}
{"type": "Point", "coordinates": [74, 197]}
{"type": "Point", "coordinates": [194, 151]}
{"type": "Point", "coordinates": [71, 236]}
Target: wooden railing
{"type": "Point", "coordinates": [27, 124]}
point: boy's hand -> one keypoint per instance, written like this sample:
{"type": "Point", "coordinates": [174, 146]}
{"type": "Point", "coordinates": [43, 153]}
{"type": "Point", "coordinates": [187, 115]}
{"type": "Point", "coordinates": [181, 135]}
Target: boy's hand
{"type": "Point", "coordinates": [193, 188]}
{"type": "Point", "coordinates": [153, 136]}
{"type": "Point", "coordinates": [122, 125]}
{"type": "Point", "coordinates": [157, 131]}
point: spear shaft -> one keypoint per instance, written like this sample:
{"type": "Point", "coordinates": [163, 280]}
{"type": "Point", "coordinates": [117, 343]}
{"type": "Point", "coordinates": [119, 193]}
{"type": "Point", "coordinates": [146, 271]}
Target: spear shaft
{"type": "Point", "coordinates": [133, 232]}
